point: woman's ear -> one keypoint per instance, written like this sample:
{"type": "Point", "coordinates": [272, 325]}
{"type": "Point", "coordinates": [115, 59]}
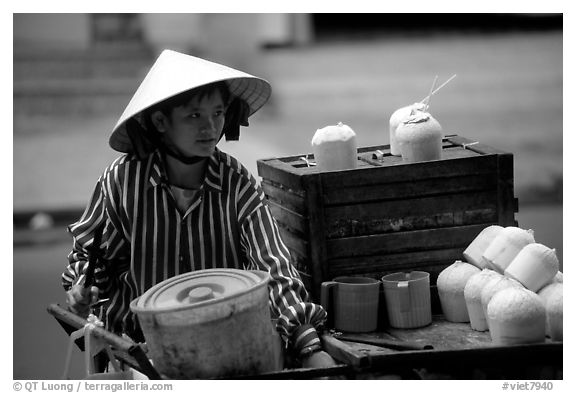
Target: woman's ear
{"type": "Point", "coordinates": [159, 120]}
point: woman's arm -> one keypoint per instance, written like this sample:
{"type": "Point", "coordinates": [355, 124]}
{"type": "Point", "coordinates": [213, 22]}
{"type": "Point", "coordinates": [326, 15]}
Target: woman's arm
{"type": "Point", "coordinates": [299, 320]}
{"type": "Point", "coordinates": [97, 217]}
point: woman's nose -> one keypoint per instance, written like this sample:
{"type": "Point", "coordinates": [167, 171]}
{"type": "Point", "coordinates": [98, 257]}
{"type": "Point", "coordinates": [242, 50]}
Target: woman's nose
{"type": "Point", "coordinates": [208, 125]}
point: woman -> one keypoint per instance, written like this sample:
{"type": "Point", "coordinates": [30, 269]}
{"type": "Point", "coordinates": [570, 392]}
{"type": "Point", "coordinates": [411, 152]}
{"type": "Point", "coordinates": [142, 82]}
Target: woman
{"type": "Point", "coordinates": [174, 203]}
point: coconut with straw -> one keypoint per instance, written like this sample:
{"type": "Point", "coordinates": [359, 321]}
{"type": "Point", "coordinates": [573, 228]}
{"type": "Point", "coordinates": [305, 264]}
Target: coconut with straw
{"type": "Point", "coordinates": [420, 135]}
{"type": "Point", "coordinates": [403, 113]}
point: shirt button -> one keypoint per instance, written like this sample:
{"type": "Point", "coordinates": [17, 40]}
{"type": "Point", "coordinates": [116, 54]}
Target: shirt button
{"type": "Point", "coordinates": [181, 258]}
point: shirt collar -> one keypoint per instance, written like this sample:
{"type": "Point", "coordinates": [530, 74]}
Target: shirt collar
{"type": "Point", "coordinates": [212, 181]}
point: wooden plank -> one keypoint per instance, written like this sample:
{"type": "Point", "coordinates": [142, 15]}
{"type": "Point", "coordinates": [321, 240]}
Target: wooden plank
{"type": "Point", "coordinates": [366, 160]}
{"type": "Point", "coordinates": [449, 152]}
{"type": "Point", "coordinates": [442, 334]}
{"type": "Point", "coordinates": [316, 232]}
{"type": "Point", "coordinates": [503, 358]}
{"type": "Point", "coordinates": [508, 205]}
{"type": "Point", "coordinates": [412, 241]}
{"type": "Point", "coordinates": [475, 147]}
{"type": "Point", "coordinates": [333, 181]}
{"type": "Point", "coordinates": [363, 227]}
{"type": "Point", "coordinates": [279, 172]}
{"type": "Point", "coordinates": [344, 352]}
{"type": "Point", "coordinates": [285, 197]}
{"type": "Point", "coordinates": [288, 219]}
{"type": "Point", "coordinates": [388, 262]}
{"type": "Point", "coordinates": [379, 341]}
{"type": "Point", "coordinates": [339, 371]}
{"type": "Point", "coordinates": [401, 208]}
{"type": "Point", "coordinates": [409, 189]}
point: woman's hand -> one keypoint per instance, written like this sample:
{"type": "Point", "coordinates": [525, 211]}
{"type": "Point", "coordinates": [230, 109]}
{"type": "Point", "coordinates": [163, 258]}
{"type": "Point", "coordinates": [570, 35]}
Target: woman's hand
{"type": "Point", "coordinates": [319, 359]}
{"type": "Point", "coordinates": [80, 299]}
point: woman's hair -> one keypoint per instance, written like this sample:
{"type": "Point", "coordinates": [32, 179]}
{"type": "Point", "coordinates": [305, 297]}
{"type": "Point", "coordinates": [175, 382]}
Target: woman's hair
{"type": "Point", "coordinates": [199, 93]}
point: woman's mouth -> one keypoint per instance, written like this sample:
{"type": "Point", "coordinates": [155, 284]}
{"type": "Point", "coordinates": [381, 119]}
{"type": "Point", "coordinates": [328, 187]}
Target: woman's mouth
{"type": "Point", "coordinates": [206, 141]}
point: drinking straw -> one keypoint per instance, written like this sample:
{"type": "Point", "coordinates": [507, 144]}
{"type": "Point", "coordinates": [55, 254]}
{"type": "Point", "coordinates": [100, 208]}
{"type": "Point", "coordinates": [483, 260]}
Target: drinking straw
{"type": "Point", "coordinates": [427, 98]}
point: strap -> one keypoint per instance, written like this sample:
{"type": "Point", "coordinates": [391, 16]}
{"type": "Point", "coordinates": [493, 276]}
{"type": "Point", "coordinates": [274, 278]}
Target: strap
{"type": "Point", "coordinates": [236, 116]}
{"type": "Point", "coordinates": [143, 143]}
{"type": "Point", "coordinates": [92, 347]}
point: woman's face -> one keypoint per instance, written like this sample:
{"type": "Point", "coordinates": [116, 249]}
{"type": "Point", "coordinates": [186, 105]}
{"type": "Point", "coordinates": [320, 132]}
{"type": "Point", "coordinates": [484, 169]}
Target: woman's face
{"type": "Point", "coordinates": [194, 128]}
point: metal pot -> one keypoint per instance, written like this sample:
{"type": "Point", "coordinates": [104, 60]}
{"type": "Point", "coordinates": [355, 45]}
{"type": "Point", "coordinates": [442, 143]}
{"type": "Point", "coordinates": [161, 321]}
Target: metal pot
{"type": "Point", "coordinates": [209, 323]}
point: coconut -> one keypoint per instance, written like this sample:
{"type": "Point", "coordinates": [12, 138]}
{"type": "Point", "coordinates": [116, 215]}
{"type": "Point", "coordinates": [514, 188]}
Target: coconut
{"type": "Point", "coordinates": [559, 277]}
{"type": "Point", "coordinates": [451, 282]}
{"type": "Point", "coordinates": [492, 288]}
{"type": "Point", "coordinates": [535, 266]}
{"type": "Point", "coordinates": [474, 251]}
{"type": "Point", "coordinates": [472, 295]}
{"type": "Point", "coordinates": [555, 316]}
{"type": "Point", "coordinates": [397, 117]}
{"type": "Point", "coordinates": [505, 246]}
{"type": "Point", "coordinates": [551, 296]}
{"type": "Point", "coordinates": [420, 138]}
{"type": "Point", "coordinates": [335, 148]}
{"type": "Point", "coordinates": [516, 316]}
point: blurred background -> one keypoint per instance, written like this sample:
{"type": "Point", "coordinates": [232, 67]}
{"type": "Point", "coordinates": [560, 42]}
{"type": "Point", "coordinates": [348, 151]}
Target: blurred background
{"type": "Point", "coordinates": [75, 73]}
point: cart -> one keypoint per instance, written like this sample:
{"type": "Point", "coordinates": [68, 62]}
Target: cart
{"type": "Point", "coordinates": [383, 217]}
{"type": "Point", "coordinates": [441, 350]}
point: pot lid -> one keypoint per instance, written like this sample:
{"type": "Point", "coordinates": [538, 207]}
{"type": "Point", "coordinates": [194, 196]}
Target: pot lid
{"type": "Point", "coordinates": [200, 288]}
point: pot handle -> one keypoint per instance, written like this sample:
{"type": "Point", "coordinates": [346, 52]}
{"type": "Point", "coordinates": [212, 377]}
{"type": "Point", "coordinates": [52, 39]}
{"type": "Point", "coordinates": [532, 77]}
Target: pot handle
{"type": "Point", "coordinates": [327, 300]}
{"type": "Point", "coordinates": [404, 288]}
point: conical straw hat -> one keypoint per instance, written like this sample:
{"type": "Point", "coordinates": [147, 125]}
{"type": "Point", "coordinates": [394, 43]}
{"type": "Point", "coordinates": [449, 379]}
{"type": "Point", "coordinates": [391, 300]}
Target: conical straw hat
{"type": "Point", "coordinates": [174, 73]}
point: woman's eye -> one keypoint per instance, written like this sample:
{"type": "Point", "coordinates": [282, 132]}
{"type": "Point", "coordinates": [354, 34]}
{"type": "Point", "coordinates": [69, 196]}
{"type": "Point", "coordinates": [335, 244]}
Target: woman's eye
{"type": "Point", "coordinates": [194, 115]}
{"type": "Point", "coordinates": [219, 113]}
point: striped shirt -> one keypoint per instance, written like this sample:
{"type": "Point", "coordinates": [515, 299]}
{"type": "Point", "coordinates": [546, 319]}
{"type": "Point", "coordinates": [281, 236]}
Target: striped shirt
{"type": "Point", "coordinates": [146, 239]}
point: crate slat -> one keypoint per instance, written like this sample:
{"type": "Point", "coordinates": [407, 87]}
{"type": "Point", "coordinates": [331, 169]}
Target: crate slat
{"type": "Point", "coordinates": [280, 172]}
{"type": "Point", "coordinates": [428, 239]}
{"type": "Point", "coordinates": [386, 262]}
{"type": "Point", "coordinates": [476, 165]}
{"type": "Point", "coordinates": [289, 219]}
{"type": "Point", "coordinates": [342, 228]}
{"type": "Point", "coordinates": [408, 189]}
{"type": "Point", "coordinates": [288, 198]}
{"type": "Point", "coordinates": [399, 208]}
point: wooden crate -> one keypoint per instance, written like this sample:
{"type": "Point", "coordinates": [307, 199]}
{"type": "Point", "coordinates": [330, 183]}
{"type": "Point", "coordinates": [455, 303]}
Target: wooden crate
{"type": "Point", "coordinates": [386, 215]}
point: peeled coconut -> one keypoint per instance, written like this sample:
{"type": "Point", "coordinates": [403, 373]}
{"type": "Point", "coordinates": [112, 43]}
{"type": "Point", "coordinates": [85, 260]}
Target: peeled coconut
{"type": "Point", "coordinates": [535, 266]}
{"type": "Point", "coordinates": [474, 251]}
{"type": "Point", "coordinates": [419, 138]}
{"type": "Point", "coordinates": [492, 288]}
{"type": "Point", "coordinates": [516, 316]}
{"type": "Point", "coordinates": [505, 246]}
{"type": "Point", "coordinates": [551, 296]}
{"type": "Point", "coordinates": [451, 282]}
{"type": "Point", "coordinates": [335, 148]}
{"type": "Point", "coordinates": [559, 277]}
{"type": "Point", "coordinates": [555, 316]}
{"type": "Point", "coordinates": [397, 117]}
{"type": "Point", "coordinates": [473, 297]}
